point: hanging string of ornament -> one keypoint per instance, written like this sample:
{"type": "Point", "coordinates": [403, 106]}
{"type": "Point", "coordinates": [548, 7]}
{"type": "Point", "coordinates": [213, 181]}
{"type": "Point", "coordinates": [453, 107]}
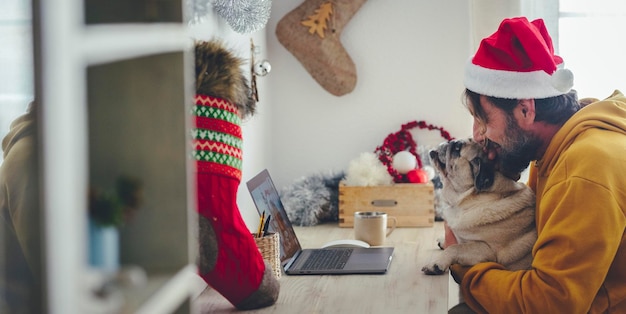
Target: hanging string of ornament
{"type": "Point", "coordinates": [403, 141]}
{"type": "Point", "coordinates": [261, 68]}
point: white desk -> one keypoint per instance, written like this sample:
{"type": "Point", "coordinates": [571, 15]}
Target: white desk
{"type": "Point", "coordinates": [404, 289]}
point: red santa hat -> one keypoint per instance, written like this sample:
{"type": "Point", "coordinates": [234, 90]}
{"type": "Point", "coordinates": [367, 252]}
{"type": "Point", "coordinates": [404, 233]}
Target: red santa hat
{"type": "Point", "coordinates": [517, 62]}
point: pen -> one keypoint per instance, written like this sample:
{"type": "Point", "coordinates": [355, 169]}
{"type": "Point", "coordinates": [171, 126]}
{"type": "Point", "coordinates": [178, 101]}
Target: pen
{"type": "Point", "coordinates": [259, 233]}
{"type": "Point", "coordinates": [267, 224]}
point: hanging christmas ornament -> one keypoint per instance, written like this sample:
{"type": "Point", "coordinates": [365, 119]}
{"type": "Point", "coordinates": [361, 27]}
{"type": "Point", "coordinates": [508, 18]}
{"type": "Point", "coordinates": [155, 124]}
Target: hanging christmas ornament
{"type": "Point", "coordinates": [262, 68]}
{"type": "Point", "coordinates": [244, 16]}
{"type": "Point", "coordinates": [312, 33]}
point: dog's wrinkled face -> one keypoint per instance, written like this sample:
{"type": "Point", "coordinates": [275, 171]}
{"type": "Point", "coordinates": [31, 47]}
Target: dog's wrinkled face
{"type": "Point", "coordinates": [462, 165]}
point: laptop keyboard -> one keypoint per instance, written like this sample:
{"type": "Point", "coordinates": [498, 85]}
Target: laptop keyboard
{"type": "Point", "coordinates": [327, 259]}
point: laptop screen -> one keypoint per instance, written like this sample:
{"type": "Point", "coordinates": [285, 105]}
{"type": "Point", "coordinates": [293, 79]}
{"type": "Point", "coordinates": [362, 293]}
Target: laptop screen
{"type": "Point", "coordinates": [267, 200]}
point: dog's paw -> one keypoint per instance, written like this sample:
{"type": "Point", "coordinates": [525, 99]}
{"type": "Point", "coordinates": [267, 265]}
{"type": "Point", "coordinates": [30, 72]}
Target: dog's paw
{"type": "Point", "coordinates": [434, 269]}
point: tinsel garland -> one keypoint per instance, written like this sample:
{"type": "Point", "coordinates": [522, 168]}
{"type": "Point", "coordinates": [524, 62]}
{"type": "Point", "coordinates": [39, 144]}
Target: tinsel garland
{"type": "Point", "coordinates": [403, 140]}
{"type": "Point", "coordinates": [244, 16]}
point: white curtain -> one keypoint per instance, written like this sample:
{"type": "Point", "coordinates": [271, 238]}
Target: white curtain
{"type": "Point", "coordinates": [486, 15]}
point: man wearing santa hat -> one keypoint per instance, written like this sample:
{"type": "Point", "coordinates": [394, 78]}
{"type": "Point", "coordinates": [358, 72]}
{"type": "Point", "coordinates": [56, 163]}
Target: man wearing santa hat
{"type": "Point", "coordinates": [525, 110]}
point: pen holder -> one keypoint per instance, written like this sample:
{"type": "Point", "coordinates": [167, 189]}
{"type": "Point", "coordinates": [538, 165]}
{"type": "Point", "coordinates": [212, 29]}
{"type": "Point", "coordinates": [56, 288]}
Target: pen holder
{"type": "Point", "coordinates": [270, 250]}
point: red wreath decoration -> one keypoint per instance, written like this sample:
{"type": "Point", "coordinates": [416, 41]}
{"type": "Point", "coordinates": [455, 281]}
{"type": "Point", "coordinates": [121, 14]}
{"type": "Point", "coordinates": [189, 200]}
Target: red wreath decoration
{"type": "Point", "coordinates": [403, 140]}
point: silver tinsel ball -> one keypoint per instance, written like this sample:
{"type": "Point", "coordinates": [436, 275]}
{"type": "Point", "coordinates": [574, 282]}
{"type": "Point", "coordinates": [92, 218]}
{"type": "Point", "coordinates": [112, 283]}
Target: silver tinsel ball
{"type": "Point", "coordinates": [244, 16]}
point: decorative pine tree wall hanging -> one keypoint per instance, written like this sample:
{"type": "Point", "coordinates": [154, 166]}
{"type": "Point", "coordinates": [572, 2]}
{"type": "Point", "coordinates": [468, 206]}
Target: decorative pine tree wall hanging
{"type": "Point", "coordinates": [311, 32]}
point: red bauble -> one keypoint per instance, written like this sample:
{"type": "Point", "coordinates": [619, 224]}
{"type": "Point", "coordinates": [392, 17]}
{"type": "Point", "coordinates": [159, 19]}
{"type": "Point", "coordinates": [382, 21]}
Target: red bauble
{"type": "Point", "coordinates": [417, 176]}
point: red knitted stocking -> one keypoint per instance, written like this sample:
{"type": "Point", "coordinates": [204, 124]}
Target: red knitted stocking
{"type": "Point", "coordinates": [239, 267]}
{"type": "Point", "coordinates": [230, 260]}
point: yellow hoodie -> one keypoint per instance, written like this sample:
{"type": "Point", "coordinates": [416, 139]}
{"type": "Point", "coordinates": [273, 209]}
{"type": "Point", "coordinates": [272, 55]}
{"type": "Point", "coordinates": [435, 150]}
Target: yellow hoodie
{"type": "Point", "coordinates": [579, 261]}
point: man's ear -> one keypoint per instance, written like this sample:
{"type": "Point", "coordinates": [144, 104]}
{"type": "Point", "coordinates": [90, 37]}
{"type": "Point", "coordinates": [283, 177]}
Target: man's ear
{"type": "Point", "coordinates": [526, 111]}
{"type": "Point", "coordinates": [484, 175]}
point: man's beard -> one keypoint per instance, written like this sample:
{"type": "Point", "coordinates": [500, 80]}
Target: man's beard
{"type": "Point", "coordinates": [518, 150]}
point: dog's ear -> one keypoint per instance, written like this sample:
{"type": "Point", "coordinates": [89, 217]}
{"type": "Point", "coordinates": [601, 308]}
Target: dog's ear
{"type": "Point", "coordinates": [485, 174]}
{"type": "Point", "coordinates": [511, 175]}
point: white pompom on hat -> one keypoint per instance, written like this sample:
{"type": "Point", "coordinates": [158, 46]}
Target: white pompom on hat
{"type": "Point", "coordinates": [518, 62]}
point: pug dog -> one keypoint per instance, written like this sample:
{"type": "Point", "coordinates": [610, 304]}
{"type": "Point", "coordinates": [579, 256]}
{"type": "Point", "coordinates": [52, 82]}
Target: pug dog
{"type": "Point", "coordinates": [491, 215]}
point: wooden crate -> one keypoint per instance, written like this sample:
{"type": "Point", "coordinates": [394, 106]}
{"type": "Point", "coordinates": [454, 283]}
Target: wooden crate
{"type": "Point", "coordinates": [411, 204]}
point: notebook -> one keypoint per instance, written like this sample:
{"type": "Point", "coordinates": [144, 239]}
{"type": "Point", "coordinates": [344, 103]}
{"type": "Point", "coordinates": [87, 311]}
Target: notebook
{"type": "Point", "coordinates": [316, 261]}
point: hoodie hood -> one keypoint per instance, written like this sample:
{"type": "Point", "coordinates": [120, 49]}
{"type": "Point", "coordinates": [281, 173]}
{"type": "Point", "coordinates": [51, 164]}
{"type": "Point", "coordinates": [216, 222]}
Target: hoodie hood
{"type": "Point", "coordinates": [608, 114]}
{"type": "Point", "coordinates": [21, 127]}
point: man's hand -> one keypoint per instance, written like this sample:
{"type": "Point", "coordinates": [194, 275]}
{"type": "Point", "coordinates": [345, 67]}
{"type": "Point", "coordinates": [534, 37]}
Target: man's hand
{"type": "Point", "coordinates": [458, 271]}
{"type": "Point", "coordinates": [450, 238]}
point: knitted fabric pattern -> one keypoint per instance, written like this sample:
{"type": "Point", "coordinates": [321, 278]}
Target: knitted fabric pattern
{"type": "Point", "coordinates": [239, 267]}
{"type": "Point", "coordinates": [217, 143]}
{"type": "Point", "coordinates": [217, 138]}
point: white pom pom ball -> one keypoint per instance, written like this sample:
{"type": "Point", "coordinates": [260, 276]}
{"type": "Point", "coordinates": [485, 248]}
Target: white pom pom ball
{"type": "Point", "coordinates": [404, 162]}
{"type": "Point", "coordinates": [367, 170]}
{"type": "Point", "coordinates": [430, 171]}
{"type": "Point", "coordinates": [563, 80]}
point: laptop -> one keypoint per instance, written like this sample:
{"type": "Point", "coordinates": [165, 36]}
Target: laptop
{"type": "Point", "coordinates": [318, 261]}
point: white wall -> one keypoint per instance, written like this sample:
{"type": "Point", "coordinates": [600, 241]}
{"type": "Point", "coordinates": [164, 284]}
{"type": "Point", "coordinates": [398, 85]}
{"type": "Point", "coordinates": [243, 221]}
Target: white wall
{"type": "Point", "coordinates": [409, 57]}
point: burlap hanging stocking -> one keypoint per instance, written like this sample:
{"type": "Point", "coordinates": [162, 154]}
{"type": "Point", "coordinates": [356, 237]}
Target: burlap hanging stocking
{"type": "Point", "coordinates": [315, 43]}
